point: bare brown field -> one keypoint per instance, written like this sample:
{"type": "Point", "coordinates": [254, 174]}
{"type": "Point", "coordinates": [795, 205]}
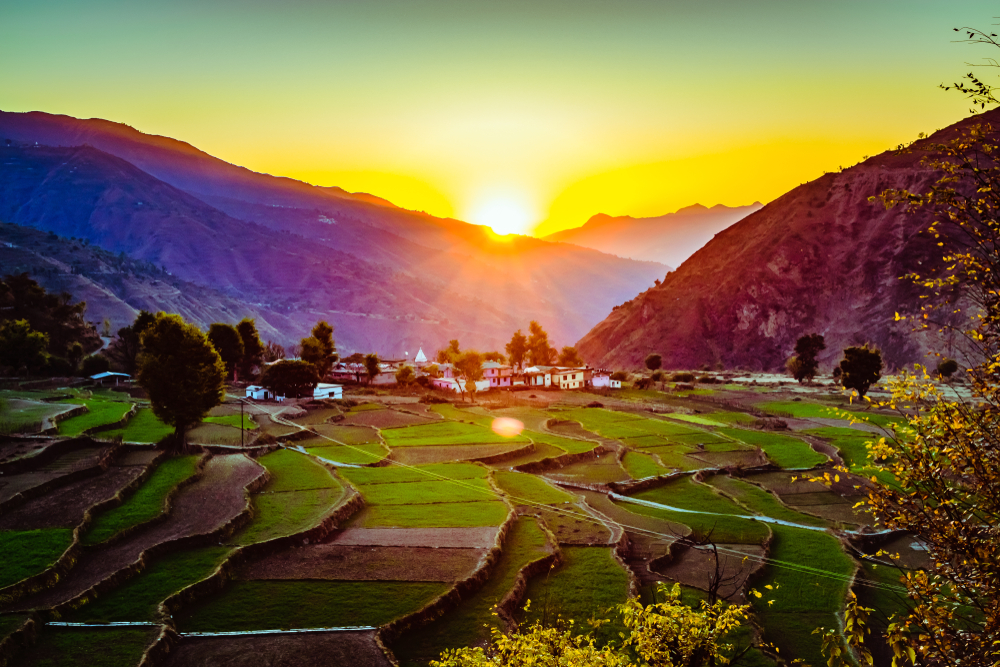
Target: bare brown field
{"type": "Point", "coordinates": [572, 525]}
{"type": "Point", "coordinates": [366, 563]}
{"type": "Point", "coordinates": [311, 649]}
{"type": "Point", "coordinates": [694, 567]}
{"type": "Point", "coordinates": [478, 537]}
{"type": "Point", "coordinates": [742, 458]}
{"type": "Point", "coordinates": [70, 462]}
{"type": "Point", "coordinates": [18, 448]}
{"type": "Point", "coordinates": [419, 409]}
{"type": "Point", "coordinates": [384, 419]}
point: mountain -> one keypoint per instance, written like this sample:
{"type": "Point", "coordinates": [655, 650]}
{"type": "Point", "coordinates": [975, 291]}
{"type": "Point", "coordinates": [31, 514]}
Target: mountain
{"type": "Point", "coordinates": [822, 258]}
{"type": "Point", "coordinates": [668, 239]}
{"type": "Point", "coordinates": [389, 279]}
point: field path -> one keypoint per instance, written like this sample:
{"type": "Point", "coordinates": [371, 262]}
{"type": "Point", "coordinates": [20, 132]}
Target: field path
{"type": "Point", "coordinates": [200, 508]}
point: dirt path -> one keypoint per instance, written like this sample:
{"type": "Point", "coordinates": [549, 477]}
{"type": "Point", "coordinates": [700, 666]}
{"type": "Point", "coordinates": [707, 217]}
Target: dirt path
{"type": "Point", "coordinates": [200, 508]}
{"type": "Point", "coordinates": [312, 649]}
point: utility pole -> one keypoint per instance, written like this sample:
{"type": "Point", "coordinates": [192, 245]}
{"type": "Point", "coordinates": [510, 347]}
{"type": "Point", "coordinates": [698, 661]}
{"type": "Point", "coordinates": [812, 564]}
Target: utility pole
{"type": "Point", "coordinates": [242, 443]}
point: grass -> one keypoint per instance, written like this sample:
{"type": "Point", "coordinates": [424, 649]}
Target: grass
{"type": "Point", "coordinates": [686, 494]}
{"type": "Point", "coordinates": [602, 470]}
{"type": "Point", "coordinates": [11, 622]}
{"type": "Point", "coordinates": [88, 647]}
{"type": "Point", "coordinates": [291, 471]}
{"type": "Point", "coordinates": [449, 411]}
{"type": "Point", "coordinates": [19, 414]}
{"type": "Point", "coordinates": [208, 433]}
{"type": "Point", "coordinates": [348, 435]}
{"type": "Point", "coordinates": [270, 605]}
{"type": "Point", "coordinates": [522, 487]}
{"type": "Point", "coordinates": [470, 622]}
{"type": "Point", "coordinates": [233, 420]}
{"type": "Point", "coordinates": [366, 406]}
{"type": "Point", "coordinates": [804, 599]}
{"type": "Point", "coordinates": [425, 493]}
{"type": "Point", "coordinates": [676, 457]}
{"type": "Point", "coordinates": [142, 427]}
{"type": "Point", "coordinates": [785, 451]}
{"type": "Point", "coordinates": [806, 410]}
{"type": "Point", "coordinates": [542, 451]}
{"type": "Point", "coordinates": [441, 515]}
{"type": "Point", "coordinates": [350, 454]}
{"type": "Point", "coordinates": [396, 474]}
{"type": "Point", "coordinates": [588, 584]}
{"type": "Point", "coordinates": [146, 503]}
{"type": "Point", "coordinates": [640, 465]}
{"type": "Point", "coordinates": [850, 442]}
{"type": "Point", "coordinates": [444, 433]}
{"type": "Point", "coordinates": [25, 553]}
{"type": "Point", "coordinates": [138, 598]}
{"type": "Point", "coordinates": [697, 419]}
{"type": "Point", "coordinates": [99, 412]}
{"type": "Point", "coordinates": [569, 445]}
{"type": "Point", "coordinates": [762, 502]}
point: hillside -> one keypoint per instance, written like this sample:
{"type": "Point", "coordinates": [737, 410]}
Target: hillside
{"type": "Point", "coordinates": [389, 279]}
{"type": "Point", "coordinates": [821, 258]}
{"type": "Point", "coordinates": [668, 239]}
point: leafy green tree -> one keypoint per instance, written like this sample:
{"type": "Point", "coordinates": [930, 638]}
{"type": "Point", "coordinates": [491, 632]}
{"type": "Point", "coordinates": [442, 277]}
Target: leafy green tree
{"type": "Point", "coordinates": [21, 298]}
{"type": "Point", "coordinates": [405, 376]}
{"type": "Point", "coordinates": [181, 371]}
{"type": "Point", "coordinates": [228, 343]}
{"type": "Point", "coordinates": [22, 349]}
{"type": "Point", "coordinates": [517, 349]}
{"type": "Point", "coordinates": [468, 368]}
{"type": "Point", "coordinates": [94, 364]}
{"type": "Point", "coordinates": [372, 369]}
{"type": "Point", "coordinates": [123, 351]}
{"type": "Point", "coordinates": [804, 365]}
{"type": "Point", "coordinates": [75, 355]}
{"type": "Point", "coordinates": [540, 352]}
{"type": "Point", "coordinates": [570, 357]}
{"type": "Point", "coordinates": [860, 368]}
{"type": "Point", "coordinates": [449, 354]}
{"type": "Point", "coordinates": [253, 349]}
{"type": "Point", "coordinates": [654, 361]}
{"type": "Point", "coordinates": [319, 348]}
{"type": "Point", "coordinates": [290, 378]}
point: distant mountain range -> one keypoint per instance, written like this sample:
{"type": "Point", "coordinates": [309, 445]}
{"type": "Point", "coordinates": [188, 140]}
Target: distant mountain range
{"type": "Point", "coordinates": [668, 239]}
{"type": "Point", "coordinates": [822, 258]}
{"type": "Point", "coordinates": [286, 252]}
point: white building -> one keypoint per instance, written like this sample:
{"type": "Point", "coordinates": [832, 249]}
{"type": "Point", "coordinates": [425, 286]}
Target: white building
{"type": "Point", "coordinates": [420, 358]}
{"type": "Point", "coordinates": [258, 393]}
{"type": "Point", "coordinates": [325, 390]}
{"type": "Point", "coordinates": [602, 379]}
{"type": "Point", "coordinates": [451, 384]}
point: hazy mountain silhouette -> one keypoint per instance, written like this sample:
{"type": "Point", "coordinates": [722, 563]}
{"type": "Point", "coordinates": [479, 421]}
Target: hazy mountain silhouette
{"type": "Point", "coordinates": [821, 258]}
{"type": "Point", "coordinates": [668, 239]}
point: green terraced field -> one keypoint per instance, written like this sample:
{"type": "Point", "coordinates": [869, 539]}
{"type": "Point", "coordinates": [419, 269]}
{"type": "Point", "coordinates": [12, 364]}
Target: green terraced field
{"type": "Point", "coordinates": [146, 503]}
{"type": "Point", "coordinates": [349, 454]}
{"type": "Point", "coordinates": [234, 420]}
{"type": "Point", "coordinates": [850, 442]}
{"type": "Point", "coordinates": [786, 451]}
{"type": "Point", "coordinates": [640, 465]}
{"type": "Point", "coordinates": [441, 515]}
{"type": "Point", "coordinates": [100, 411]}
{"type": "Point", "coordinates": [271, 605]}
{"type": "Point", "coordinates": [88, 647]}
{"type": "Point", "coordinates": [697, 419]}
{"type": "Point", "coordinates": [762, 502]}
{"type": "Point", "coordinates": [522, 487]}
{"type": "Point", "coordinates": [25, 553]}
{"type": "Point", "coordinates": [444, 433]}
{"type": "Point", "coordinates": [566, 444]}
{"type": "Point", "coordinates": [420, 493]}
{"type": "Point", "coordinates": [143, 427]}
{"type": "Point", "coordinates": [394, 474]}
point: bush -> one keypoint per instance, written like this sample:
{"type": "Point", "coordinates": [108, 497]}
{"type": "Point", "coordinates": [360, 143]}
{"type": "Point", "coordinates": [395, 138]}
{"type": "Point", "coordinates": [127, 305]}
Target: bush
{"type": "Point", "coordinates": [619, 375]}
{"type": "Point", "coordinates": [658, 376]}
{"type": "Point", "coordinates": [595, 404]}
{"type": "Point", "coordinates": [94, 364]}
{"type": "Point", "coordinates": [707, 379]}
{"type": "Point", "coordinates": [947, 367]}
{"type": "Point", "coordinates": [431, 399]}
{"type": "Point", "coordinates": [682, 377]}
{"type": "Point", "coordinates": [643, 383]}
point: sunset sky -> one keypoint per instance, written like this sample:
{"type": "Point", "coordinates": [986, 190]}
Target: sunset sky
{"type": "Point", "coordinates": [529, 116]}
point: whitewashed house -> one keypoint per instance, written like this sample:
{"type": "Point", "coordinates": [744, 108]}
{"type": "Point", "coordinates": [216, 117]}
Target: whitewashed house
{"type": "Point", "coordinates": [325, 390]}
{"type": "Point", "coordinates": [603, 379]}
{"type": "Point", "coordinates": [258, 393]}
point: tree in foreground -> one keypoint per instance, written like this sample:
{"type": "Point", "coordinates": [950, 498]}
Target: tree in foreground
{"type": "Point", "coordinates": [319, 349]}
{"type": "Point", "coordinates": [290, 378]}
{"type": "Point", "coordinates": [860, 368]}
{"type": "Point", "coordinates": [654, 361]}
{"type": "Point", "coordinates": [468, 369]}
{"type": "Point", "coordinates": [667, 634]}
{"type": "Point", "coordinates": [182, 373]}
{"type": "Point", "coordinates": [804, 365]}
{"type": "Point", "coordinates": [372, 368]}
{"type": "Point", "coordinates": [228, 343]}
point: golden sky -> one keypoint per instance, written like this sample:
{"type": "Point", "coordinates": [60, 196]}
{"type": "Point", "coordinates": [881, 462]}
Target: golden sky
{"type": "Point", "coordinates": [532, 116]}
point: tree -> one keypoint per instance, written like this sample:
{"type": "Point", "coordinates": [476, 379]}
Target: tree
{"type": "Point", "coordinates": [946, 368]}
{"type": "Point", "coordinates": [449, 354]}
{"type": "Point", "coordinates": [804, 364]}
{"type": "Point", "coordinates": [290, 378]}
{"type": "Point", "coordinates": [22, 349]}
{"type": "Point", "coordinates": [540, 353]}
{"type": "Point", "coordinates": [253, 349]}
{"type": "Point", "coordinates": [181, 371]}
{"type": "Point", "coordinates": [654, 361]}
{"type": "Point", "coordinates": [405, 376]}
{"type": "Point", "coordinates": [319, 348]}
{"type": "Point", "coordinates": [94, 364]}
{"type": "Point", "coordinates": [517, 348]}
{"type": "Point", "coordinates": [356, 362]}
{"type": "Point", "coordinates": [123, 351]}
{"type": "Point", "coordinates": [74, 355]}
{"type": "Point", "coordinates": [272, 352]}
{"type": "Point", "coordinates": [494, 356]}
{"type": "Point", "coordinates": [228, 343]}
{"type": "Point", "coordinates": [372, 368]}
{"type": "Point", "coordinates": [860, 368]}
{"type": "Point", "coordinates": [468, 368]}
{"type": "Point", "coordinates": [570, 357]}
{"type": "Point", "coordinates": [21, 298]}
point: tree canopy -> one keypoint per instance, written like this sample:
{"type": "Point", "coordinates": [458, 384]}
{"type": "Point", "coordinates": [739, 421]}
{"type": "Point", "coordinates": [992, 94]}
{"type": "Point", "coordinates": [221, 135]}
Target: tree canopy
{"type": "Point", "coordinates": [804, 365]}
{"type": "Point", "coordinates": [319, 348]}
{"type": "Point", "coordinates": [290, 378]}
{"type": "Point", "coordinates": [62, 322]}
{"type": "Point", "coordinates": [570, 357]}
{"type": "Point", "coordinates": [860, 368]}
{"type": "Point", "coordinates": [372, 369]}
{"type": "Point", "coordinates": [123, 351]}
{"type": "Point", "coordinates": [449, 354]}
{"type": "Point", "coordinates": [654, 361]}
{"type": "Point", "coordinates": [517, 348]}
{"type": "Point", "coordinates": [181, 371]}
{"type": "Point", "coordinates": [540, 352]}
{"type": "Point", "coordinates": [253, 348]}
{"type": "Point", "coordinates": [22, 349]}
{"type": "Point", "coordinates": [228, 343]}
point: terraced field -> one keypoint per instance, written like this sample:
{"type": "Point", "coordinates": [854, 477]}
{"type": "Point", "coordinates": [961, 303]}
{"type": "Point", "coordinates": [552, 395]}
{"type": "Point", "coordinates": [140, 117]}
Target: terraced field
{"type": "Point", "coordinates": [365, 515]}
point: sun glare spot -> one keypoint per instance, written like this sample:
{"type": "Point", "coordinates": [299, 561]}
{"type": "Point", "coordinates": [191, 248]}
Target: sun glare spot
{"type": "Point", "coordinates": [507, 427]}
{"type": "Point", "coordinates": [505, 215]}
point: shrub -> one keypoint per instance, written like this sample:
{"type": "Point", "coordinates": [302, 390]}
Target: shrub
{"type": "Point", "coordinates": [947, 367]}
{"type": "Point", "coordinates": [682, 377]}
{"type": "Point", "coordinates": [94, 364]}
{"type": "Point", "coordinates": [707, 379]}
{"type": "Point", "coordinates": [619, 375]}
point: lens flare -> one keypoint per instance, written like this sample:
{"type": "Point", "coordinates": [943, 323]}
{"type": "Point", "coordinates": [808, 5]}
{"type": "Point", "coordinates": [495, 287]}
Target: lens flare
{"type": "Point", "coordinates": [507, 427]}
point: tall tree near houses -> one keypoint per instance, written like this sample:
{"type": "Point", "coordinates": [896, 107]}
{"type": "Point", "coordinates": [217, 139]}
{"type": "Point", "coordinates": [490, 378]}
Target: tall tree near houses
{"type": "Point", "coordinates": [468, 369]}
{"type": "Point", "coordinates": [227, 341]}
{"type": "Point", "coordinates": [22, 349]}
{"type": "Point", "coordinates": [517, 349]}
{"type": "Point", "coordinates": [570, 357]}
{"type": "Point", "coordinates": [540, 352]}
{"type": "Point", "coordinates": [124, 350]}
{"type": "Point", "coordinates": [182, 372]}
{"type": "Point", "coordinates": [494, 356]}
{"type": "Point", "coordinates": [372, 368]}
{"type": "Point", "coordinates": [253, 348]}
{"type": "Point", "coordinates": [319, 348]}
{"type": "Point", "coordinates": [449, 354]}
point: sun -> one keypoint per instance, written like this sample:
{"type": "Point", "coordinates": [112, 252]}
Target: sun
{"type": "Point", "coordinates": [505, 214]}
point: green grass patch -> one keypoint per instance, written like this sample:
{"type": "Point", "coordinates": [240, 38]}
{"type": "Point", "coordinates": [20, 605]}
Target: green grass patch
{"type": "Point", "coordinates": [272, 605]}
{"type": "Point", "coordinates": [233, 420]}
{"type": "Point", "coordinates": [762, 502]}
{"type": "Point", "coordinates": [697, 419]}
{"type": "Point", "coordinates": [450, 411]}
{"type": "Point", "coordinates": [470, 623]}
{"type": "Point", "coordinates": [542, 451]}
{"type": "Point", "coordinates": [696, 392]}
{"type": "Point", "coordinates": [138, 598]}
{"type": "Point", "coordinates": [143, 427]}
{"type": "Point", "coordinates": [784, 450]}
{"type": "Point", "coordinates": [588, 584]}
{"type": "Point", "coordinates": [11, 622]}
{"type": "Point", "coordinates": [444, 433]}
{"type": "Point", "coordinates": [440, 515]}
{"type": "Point", "coordinates": [88, 647]}
{"type": "Point", "coordinates": [601, 470]}
{"type": "Point", "coordinates": [395, 474]}
{"type": "Point", "coordinates": [808, 595]}
{"type": "Point", "coordinates": [347, 435]}
{"type": "Point", "coordinates": [292, 471]}
{"type": "Point", "coordinates": [702, 438]}
{"type": "Point", "coordinates": [17, 415]}
{"type": "Point", "coordinates": [424, 493]}
{"type": "Point", "coordinates": [522, 487]}
{"type": "Point", "coordinates": [569, 445]}
{"type": "Point", "coordinates": [350, 454]}
{"type": "Point", "coordinates": [676, 457]}
{"type": "Point", "coordinates": [146, 503]}
{"type": "Point", "coordinates": [715, 514]}
{"type": "Point", "coordinates": [25, 553]}
{"type": "Point", "coordinates": [640, 465]}
{"type": "Point", "coordinates": [731, 418]}
{"type": "Point", "coordinates": [99, 412]}
{"type": "Point", "coordinates": [850, 442]}
{"type": "Point", "coordinates": [366, 406]}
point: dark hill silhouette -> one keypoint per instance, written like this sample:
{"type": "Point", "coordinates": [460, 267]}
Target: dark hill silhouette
{"type": "Point", "coordinates": [668, 239]}
{"type": "Point", "coordinates": [391, 279]}
{"type": "Point", "coordinates": [821, 258]}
